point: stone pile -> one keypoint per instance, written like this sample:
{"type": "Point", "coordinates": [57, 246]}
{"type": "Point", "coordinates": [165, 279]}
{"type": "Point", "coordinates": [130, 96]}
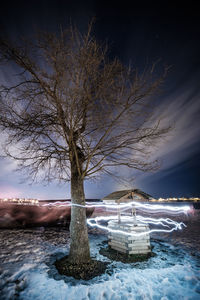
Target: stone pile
{"type": "Point", "coordinates": [128, 241]}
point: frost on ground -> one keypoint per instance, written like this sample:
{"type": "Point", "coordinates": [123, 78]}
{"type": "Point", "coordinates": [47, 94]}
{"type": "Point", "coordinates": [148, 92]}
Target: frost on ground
{"type": "Point", "coordinates": [27, 270]}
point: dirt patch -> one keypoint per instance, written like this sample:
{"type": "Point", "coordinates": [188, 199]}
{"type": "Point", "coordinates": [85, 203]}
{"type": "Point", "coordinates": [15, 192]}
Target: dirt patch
{"type": "Point", "coordinates": [85, 271]}
{"type": "Point", "coordinates": [125, 258]}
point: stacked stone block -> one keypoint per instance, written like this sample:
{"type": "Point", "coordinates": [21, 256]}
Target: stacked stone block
{"type": "Point", "coordinates": [128, 243]}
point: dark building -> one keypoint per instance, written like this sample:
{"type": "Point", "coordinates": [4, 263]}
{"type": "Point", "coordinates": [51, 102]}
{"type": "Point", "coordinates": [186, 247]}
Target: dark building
{"type": "Point", "coordinates": [127, 196]}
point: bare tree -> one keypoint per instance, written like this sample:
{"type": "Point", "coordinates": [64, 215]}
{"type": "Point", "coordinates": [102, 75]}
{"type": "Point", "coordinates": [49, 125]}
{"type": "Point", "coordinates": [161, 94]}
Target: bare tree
{"type": "Point", "coordinates": [72, 113]}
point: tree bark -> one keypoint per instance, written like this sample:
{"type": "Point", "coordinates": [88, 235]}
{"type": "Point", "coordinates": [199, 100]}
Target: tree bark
{"type": "Point", "coordinates": [79, 246]}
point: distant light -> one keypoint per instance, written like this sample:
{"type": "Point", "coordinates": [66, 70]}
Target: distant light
{"type": "Point", "coordinates": [20, 200]}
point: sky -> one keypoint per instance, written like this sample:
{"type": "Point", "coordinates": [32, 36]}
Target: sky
{"type": "Point", "coordinates": [140, 34]}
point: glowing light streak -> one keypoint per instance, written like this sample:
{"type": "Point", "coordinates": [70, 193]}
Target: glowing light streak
{"type": "Point", "coordinates": [160, 221]}
{"type": "Point", "coordinates": [152, 207]}
{"type": "Point", "coordinates": [129, 233]}
{"type": "Point", "coordinates": [164, 222]}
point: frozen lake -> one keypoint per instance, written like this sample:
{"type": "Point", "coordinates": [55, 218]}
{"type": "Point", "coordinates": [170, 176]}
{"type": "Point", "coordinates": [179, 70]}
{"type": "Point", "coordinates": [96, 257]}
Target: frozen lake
{"type": "Point", "coordinates": [27, 271]}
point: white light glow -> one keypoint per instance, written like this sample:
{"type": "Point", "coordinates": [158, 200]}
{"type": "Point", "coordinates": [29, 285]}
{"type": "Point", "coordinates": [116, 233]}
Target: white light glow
{"type": "Point", "coordinates": [169, 224]}
{"type": "Point", "coordinates": [93, 222]}
{"type": "Point", "coordinates": [154, 207]}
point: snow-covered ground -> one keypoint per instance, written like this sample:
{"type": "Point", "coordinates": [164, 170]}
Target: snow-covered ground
{"type": "Point", "coordinates": [27, 270]}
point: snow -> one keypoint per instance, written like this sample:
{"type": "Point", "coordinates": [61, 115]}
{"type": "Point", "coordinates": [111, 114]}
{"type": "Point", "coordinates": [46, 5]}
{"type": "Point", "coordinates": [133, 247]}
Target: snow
{"type": "Point", "coordinates": [28, 272]}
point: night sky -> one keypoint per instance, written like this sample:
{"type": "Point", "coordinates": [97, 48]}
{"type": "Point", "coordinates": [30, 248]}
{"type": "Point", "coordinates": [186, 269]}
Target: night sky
{"type": "Point", "coordinates": [140, 34]}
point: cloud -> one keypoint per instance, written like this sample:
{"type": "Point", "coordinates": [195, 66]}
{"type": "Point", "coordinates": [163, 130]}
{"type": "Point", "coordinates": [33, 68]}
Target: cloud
{"type": "Point", "coordinates": [183, 142]}
{"type": "Point", "coordinates": [181, 110]}
{"type": "Point", "coordinates": [7, 191]}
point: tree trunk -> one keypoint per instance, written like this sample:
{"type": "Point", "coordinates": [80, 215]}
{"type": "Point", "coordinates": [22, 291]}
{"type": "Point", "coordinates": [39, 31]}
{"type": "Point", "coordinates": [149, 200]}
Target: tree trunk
{"type": "Point", "coordinates": [79, 246]}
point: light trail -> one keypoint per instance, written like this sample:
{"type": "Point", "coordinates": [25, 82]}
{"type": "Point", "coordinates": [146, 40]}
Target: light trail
{"type": "Point", "coordinates": [151, 208]}
{"type": "Point", "coordinates": [147, 207]}
{"type": "Point", "coordinates": [160, 221]}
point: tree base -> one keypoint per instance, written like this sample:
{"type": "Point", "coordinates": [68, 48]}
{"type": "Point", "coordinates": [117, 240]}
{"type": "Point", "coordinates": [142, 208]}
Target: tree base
{"type": "Point", "coordinates": [84, 271]}
{"type": "Point", "coordinates": [125, 258]}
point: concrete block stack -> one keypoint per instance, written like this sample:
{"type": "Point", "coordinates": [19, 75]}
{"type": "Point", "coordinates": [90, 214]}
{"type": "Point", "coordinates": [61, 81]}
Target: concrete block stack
{"type": "Point", "coordinates": [129, 243]}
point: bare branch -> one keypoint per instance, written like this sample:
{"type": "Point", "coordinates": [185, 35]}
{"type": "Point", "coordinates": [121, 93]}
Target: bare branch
{"type": "Point", "coordinates": [73, 108]}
